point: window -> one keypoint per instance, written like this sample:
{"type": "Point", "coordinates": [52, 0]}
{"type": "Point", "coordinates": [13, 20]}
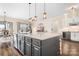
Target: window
{"type": "Point", "coordinates": [2, 26]}
{"type": "Point", "coordinates": [23, 27]}
{"type": "Point", "coordinates": [9, 26]}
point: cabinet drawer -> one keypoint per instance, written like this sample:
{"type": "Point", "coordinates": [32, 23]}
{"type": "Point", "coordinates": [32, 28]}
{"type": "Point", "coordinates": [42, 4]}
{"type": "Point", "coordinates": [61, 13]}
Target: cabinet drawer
{"type": "Point", "coordinates": [35, 50]}
{"type": "Point", "coordinates": [28, 39]}
{"type": "Point", "coordinates": [36, 42]}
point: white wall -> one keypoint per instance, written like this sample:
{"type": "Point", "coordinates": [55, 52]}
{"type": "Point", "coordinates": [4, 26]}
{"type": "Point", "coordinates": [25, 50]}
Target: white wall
{"type": "Point", "coordinates": [20, 10]}
{"type": "Point", "coordinates": [55, 23]}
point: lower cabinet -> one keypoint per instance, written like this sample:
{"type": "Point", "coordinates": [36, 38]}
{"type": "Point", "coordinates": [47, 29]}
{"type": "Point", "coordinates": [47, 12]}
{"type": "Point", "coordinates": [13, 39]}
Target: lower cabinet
{"type": "Point", "coordinates": [15, 41]}
{"type": "Point", "coordinates": [48, 47]}
{"type": "Point", "coordinates": [20, 43]}
{"type": "Point", "coordinates": [28, 49]}
{"type": "Point", "coordinates": [28, 46]}
{"type": "Point", "coordinates": [36, 50]}
{"type": "Point", "coordinates": [36, 47]}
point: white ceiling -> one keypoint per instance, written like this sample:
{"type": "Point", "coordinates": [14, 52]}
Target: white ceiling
{"type": "Point", "coordinates": [20, 10]}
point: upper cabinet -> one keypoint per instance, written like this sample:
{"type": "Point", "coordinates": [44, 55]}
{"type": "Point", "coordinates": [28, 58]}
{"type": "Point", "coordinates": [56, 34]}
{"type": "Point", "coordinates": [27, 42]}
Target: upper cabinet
{"type": "Point", "coordinates": [72, 21]}
{"type": "Point", "coordinates": [72, 15]}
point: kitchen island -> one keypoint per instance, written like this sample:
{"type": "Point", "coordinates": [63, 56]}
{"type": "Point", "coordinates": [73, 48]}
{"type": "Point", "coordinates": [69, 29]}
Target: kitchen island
{"type": "Point", "coordinates": [39, 44]}
{"type": "Point", "coordinates": [70, 41]}
{"type": "Point", "coordinates": [71, 33]}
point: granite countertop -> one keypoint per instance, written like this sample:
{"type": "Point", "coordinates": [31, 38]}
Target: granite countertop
{"type": "Point", "coordinates": [41, 36]}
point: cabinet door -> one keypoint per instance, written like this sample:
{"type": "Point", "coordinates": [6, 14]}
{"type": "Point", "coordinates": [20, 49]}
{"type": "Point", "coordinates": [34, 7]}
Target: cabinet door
{"type": "Point", "coordinates": [35, 51]}
{"type": "Point", "coordinates": [19, 44]}
{"type": "Point", "coordinates": [28, 49]}
{"type": "Point", "coordinates": [77, 36]}
{"type": "Point", "coordinates": [15, 41]}
{"type": "Point", "coordinates": [22, 45]}
{"type": "Point", "coordinates": [27, 46]}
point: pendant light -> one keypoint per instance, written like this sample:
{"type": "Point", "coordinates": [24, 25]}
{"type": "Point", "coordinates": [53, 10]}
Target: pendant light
{"type": "Point", "coordinates": [29, 12]}
{"type": "Point", "coordinates": [35, 17]}
{"type": "Point", "coordinates": [44, 13]}
{"type": "Point", "coordinates": [5, 31]}
{"type": "Point", "coordinates": [30, 19]}
{"type": "Point", "coordinates": [73, 10]}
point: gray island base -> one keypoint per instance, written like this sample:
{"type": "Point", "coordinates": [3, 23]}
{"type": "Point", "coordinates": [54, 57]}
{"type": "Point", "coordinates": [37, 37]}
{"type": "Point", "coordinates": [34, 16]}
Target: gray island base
{"type": "Point", "coordinates": [44, 44]}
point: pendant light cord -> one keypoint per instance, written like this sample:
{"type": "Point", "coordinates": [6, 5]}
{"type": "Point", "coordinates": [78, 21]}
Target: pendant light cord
{"type": "Point", "coordinates": [29, 10]}
{"type": "Point", "coordinates": [44, 6]}
{"type": "Point", "coordinates": [35, 7]}
{"type": "Point", "coordinates": [44, 13]}
{"type": "Point", "coordinates": [4, 19]}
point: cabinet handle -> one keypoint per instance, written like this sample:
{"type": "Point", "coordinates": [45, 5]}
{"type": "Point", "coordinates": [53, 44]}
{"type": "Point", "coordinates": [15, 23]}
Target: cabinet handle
{"type": "Point", "coordinates": [28, 44]}
{"type": "Point", "coordinates": [36, 48]}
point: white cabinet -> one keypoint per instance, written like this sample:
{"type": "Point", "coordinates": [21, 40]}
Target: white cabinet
{"type": "Point", "coordinates": [75, 36]}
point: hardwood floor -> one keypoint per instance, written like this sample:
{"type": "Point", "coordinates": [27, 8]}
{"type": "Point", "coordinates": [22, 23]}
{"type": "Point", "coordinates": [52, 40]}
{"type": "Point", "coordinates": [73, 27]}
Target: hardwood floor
{"type": "Point", "coordinates": [67, 48]}
{"type": "Point", "coordinates": [9, 52]}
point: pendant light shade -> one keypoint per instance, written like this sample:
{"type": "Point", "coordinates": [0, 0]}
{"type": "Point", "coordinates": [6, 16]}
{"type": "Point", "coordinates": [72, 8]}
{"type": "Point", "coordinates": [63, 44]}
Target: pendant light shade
{"type": "Point", "coordinates": [44, 13]}
{"type": "Point", "coordinates": [35, 17]}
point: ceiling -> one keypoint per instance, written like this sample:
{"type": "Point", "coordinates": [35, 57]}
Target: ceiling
{"type": "Point", "coordinates": [20, 10]}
